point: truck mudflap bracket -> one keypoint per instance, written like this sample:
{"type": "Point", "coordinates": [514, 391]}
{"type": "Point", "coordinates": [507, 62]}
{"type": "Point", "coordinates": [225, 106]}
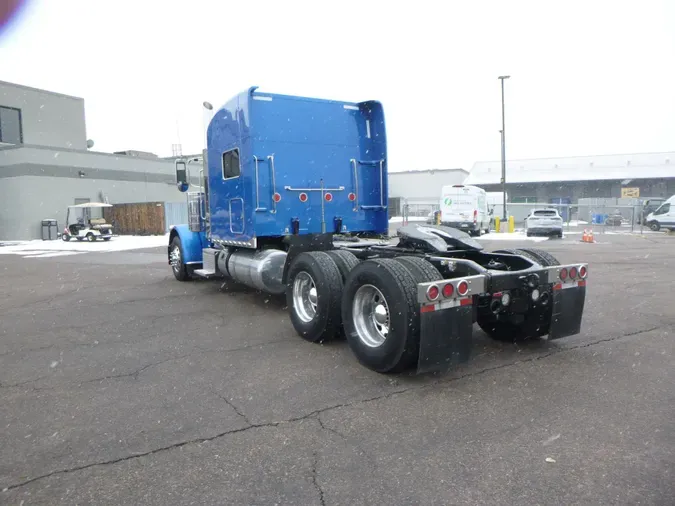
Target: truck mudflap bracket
{"type": "Point", "coordinates": [446, 322]}
{"type": "Point", "coordinates": [569, 297]}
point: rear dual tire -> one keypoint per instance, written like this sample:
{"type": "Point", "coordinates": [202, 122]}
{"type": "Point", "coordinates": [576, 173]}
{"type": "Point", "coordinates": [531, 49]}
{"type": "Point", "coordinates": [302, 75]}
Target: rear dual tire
{"type": "Point", "coordinates": [381, 316]}
{"type": "Point", "coordinates": [374, 302]}
{"type": "Point", "coordinates": [380, 312]}
{"type": "Point", "coordinates": [313, 296]}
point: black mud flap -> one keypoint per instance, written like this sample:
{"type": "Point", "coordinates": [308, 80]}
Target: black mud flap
{"type": "Point", "coordinates": [446, 336]}
{"type": "Point", "coordinates": [568, 309]}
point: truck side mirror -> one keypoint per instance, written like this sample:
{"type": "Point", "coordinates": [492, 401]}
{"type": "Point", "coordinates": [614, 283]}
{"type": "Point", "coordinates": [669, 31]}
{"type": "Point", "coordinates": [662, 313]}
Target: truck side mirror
{"type": "Point", "coordinates": [182, 181]}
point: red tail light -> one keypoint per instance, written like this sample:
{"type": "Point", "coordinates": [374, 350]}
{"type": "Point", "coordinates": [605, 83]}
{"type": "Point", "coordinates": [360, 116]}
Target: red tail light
{"type": "Point", "coordinates": [328, 197]}
{"type": "Point", "coordinates": [573, 273]}
{"type": "Point", "coordinates": [448, 290]}
{"type": "Point", "coordinates": [276, 197]}
{"type": "Point", "coordinates": [462, 288]}
{"type": "Point", "coordinates": [563, 273]}
{"type": "Point", "coordinates": [475, 216]}
{"type": "Point", "coordinates": [303, 197]}
{"type": "Point", "coordinates": [432, 292]}
{"type": "Point", "coordinates": [352, 197]}
{"type": "Point", "coordinates": [583, 272]}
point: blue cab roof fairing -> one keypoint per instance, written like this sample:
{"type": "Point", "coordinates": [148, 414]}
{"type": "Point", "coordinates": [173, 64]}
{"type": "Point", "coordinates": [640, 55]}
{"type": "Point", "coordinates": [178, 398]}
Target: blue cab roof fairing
{"type": "Point", "coordinates": [291, 145]}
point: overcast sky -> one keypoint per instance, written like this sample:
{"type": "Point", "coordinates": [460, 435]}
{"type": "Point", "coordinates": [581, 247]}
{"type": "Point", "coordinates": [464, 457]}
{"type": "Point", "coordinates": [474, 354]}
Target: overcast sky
{"type": "Point", "coordinates": [587, 77]}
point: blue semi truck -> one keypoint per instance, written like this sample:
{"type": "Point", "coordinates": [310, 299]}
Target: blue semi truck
{"type": "Point", "coordinates": [292, 199]}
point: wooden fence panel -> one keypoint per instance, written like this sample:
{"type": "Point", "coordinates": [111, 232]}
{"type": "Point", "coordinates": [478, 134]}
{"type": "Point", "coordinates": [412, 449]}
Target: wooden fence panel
{"type": "Point", "coordinates": [142, 218]}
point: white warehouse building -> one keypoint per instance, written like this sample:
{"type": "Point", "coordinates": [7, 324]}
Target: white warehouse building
{"type": "Point", "coordinates": [420, 189]}
{"type": "Point", "coordinates": [566, 180]}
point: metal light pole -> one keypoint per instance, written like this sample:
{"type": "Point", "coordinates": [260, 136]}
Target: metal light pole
{"type": "Point", "coordinates": [503, 131]}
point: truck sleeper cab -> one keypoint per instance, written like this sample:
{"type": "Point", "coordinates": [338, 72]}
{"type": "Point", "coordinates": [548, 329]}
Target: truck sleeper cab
{"type": "Point", "coordinates": [292, 199]}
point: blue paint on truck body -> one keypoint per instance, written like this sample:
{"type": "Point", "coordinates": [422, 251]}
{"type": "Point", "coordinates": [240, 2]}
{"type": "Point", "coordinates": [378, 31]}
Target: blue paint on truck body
{"type": "Point", "coordinates": [269, 155]}
{"type": "Point", "coordinates": [192, 243]}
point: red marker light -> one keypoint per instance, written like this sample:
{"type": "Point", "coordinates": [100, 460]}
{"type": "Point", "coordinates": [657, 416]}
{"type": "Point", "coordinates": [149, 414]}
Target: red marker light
{"type": "Point", "coordinates": [463, 288]}
{"type": "Point", "coordinates": [352, 197]}
{"type": "Point", "coordinates": [573, 273]}
{"type": "Point", "coordinates": [448, 290]}
{"type": "Point", "coordinates": [432, 292]}
{"type": "Point", "coordinates": [303, 197]}
{"type": "Point", "coordinates": [563, 273]}
{"type": "Point", "coordinates": [583, 272]}
{"type": "Point", "coordinates": [328, 197]}
{"type": "Point", "coordinates": [276, 197]}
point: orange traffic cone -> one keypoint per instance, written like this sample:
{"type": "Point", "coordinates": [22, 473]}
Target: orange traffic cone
{"type": "Point", "coordinates": [587, 236]}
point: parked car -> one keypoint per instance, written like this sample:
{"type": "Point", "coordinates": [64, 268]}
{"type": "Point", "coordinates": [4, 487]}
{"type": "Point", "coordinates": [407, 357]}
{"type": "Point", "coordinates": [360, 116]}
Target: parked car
{"type": "Point", "coordinates": [544, 222]}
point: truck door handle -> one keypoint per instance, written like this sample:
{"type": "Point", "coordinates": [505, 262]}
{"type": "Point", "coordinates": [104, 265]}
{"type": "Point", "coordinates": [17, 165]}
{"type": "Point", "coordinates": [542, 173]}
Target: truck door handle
{"type": "Point", "coordinates": [257, 191]}
{"type": "Point", "coordinates": [356, 185]}
{"type": "Point", "coordinates": [354, 163]}
{"type": "Point", "coordinates": [274, 183]}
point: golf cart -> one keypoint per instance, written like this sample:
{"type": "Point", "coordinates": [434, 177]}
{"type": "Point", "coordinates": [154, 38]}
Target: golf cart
{"type": "Point", "coordinates": [80, 225]}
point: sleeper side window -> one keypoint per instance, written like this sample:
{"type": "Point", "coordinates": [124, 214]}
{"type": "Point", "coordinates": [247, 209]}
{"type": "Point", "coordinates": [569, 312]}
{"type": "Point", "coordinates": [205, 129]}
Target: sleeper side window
{"type": "Point", "coordinates": [231, 167]}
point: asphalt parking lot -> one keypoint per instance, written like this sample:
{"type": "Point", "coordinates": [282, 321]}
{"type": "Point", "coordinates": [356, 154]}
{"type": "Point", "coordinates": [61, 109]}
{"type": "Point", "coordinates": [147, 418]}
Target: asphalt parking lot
{"type": "Point", "coordinates": [120, 385]}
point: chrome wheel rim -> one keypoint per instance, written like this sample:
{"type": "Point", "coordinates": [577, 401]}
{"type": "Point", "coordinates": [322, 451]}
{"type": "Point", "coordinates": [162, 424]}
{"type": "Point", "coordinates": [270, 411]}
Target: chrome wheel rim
{"type": "Point", "coordinates": [175, 258]}
{"type": "Point", "coordinates": [371, 316]}
{"type": "Point", "coordinates": [304, 297]}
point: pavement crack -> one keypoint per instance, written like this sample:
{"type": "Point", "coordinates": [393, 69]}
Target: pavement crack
{"type": "Point", "coordinates": [313, 414]}
{"type": "Point", "coordinates": [131, 457]}
{"type": "Point", "coordinates": [315, 479]}
{"type": "Point", "coordinates": [233, 406]}
{"type": "Point", "coordinates": [135, 374]}
{"type": "Point", "coordinates": [21, 383]}
{"type": "Point", "coordinates": [241, 348]}
{"type": "Point", "coordinates": [152, 452]}
{"type": "Point", "coordinates": [329, 429]}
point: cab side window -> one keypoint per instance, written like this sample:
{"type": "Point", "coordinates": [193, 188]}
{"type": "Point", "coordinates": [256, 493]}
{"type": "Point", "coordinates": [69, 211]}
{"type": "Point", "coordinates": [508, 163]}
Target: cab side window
{"type": "Point", "coordinates": [231, 167]}
{"type": "Point", "coordinates": [662, 210]}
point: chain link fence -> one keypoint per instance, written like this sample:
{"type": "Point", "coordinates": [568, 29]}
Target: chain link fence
{"type": "Point", "coordinates": [600, 215]}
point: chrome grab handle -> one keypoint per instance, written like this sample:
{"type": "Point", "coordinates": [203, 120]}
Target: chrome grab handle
{"type": "Point", "coordinates": [356, 185]}
{"type": "Point", "coordinates": [382, 183]}
{"type": "Point", "coordinates": [257, 191]}
{"type": "Point", "coordinates": [291, 189]}
{"type": "Point", "coordinates": [274, 183]}
{"type": "Point", "coordinates": [202, 195]}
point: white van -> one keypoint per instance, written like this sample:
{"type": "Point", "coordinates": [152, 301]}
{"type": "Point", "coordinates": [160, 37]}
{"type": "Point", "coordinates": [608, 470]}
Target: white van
{"type": "Point", "coordinates": [465, 207]}
{"type": "Point", "coordinates": [663, 217]}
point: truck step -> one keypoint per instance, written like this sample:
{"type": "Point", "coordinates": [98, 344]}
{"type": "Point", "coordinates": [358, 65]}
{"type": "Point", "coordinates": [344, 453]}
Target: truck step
{"type": "Point", "coordinates": [204, 273]}
{"type": "Point", "coordinates": [209, 260]}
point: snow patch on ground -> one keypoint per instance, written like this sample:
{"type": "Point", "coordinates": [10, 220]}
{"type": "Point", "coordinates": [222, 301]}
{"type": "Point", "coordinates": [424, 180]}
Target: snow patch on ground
{"type": "Point", "coordinates": [399, 219]}
{"type": "Point", "coordinates": [516, 236]}
{"type": "Point", "coordinates": [47, 249]}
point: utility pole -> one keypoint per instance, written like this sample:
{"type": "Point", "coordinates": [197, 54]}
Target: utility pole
{"type": "Point", "coordinates": [503, 132]}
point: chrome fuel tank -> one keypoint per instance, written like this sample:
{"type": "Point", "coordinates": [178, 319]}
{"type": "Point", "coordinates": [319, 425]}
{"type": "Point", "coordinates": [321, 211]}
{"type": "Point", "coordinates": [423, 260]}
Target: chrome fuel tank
{"type": "Point", "coordinates": [262, 269]}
